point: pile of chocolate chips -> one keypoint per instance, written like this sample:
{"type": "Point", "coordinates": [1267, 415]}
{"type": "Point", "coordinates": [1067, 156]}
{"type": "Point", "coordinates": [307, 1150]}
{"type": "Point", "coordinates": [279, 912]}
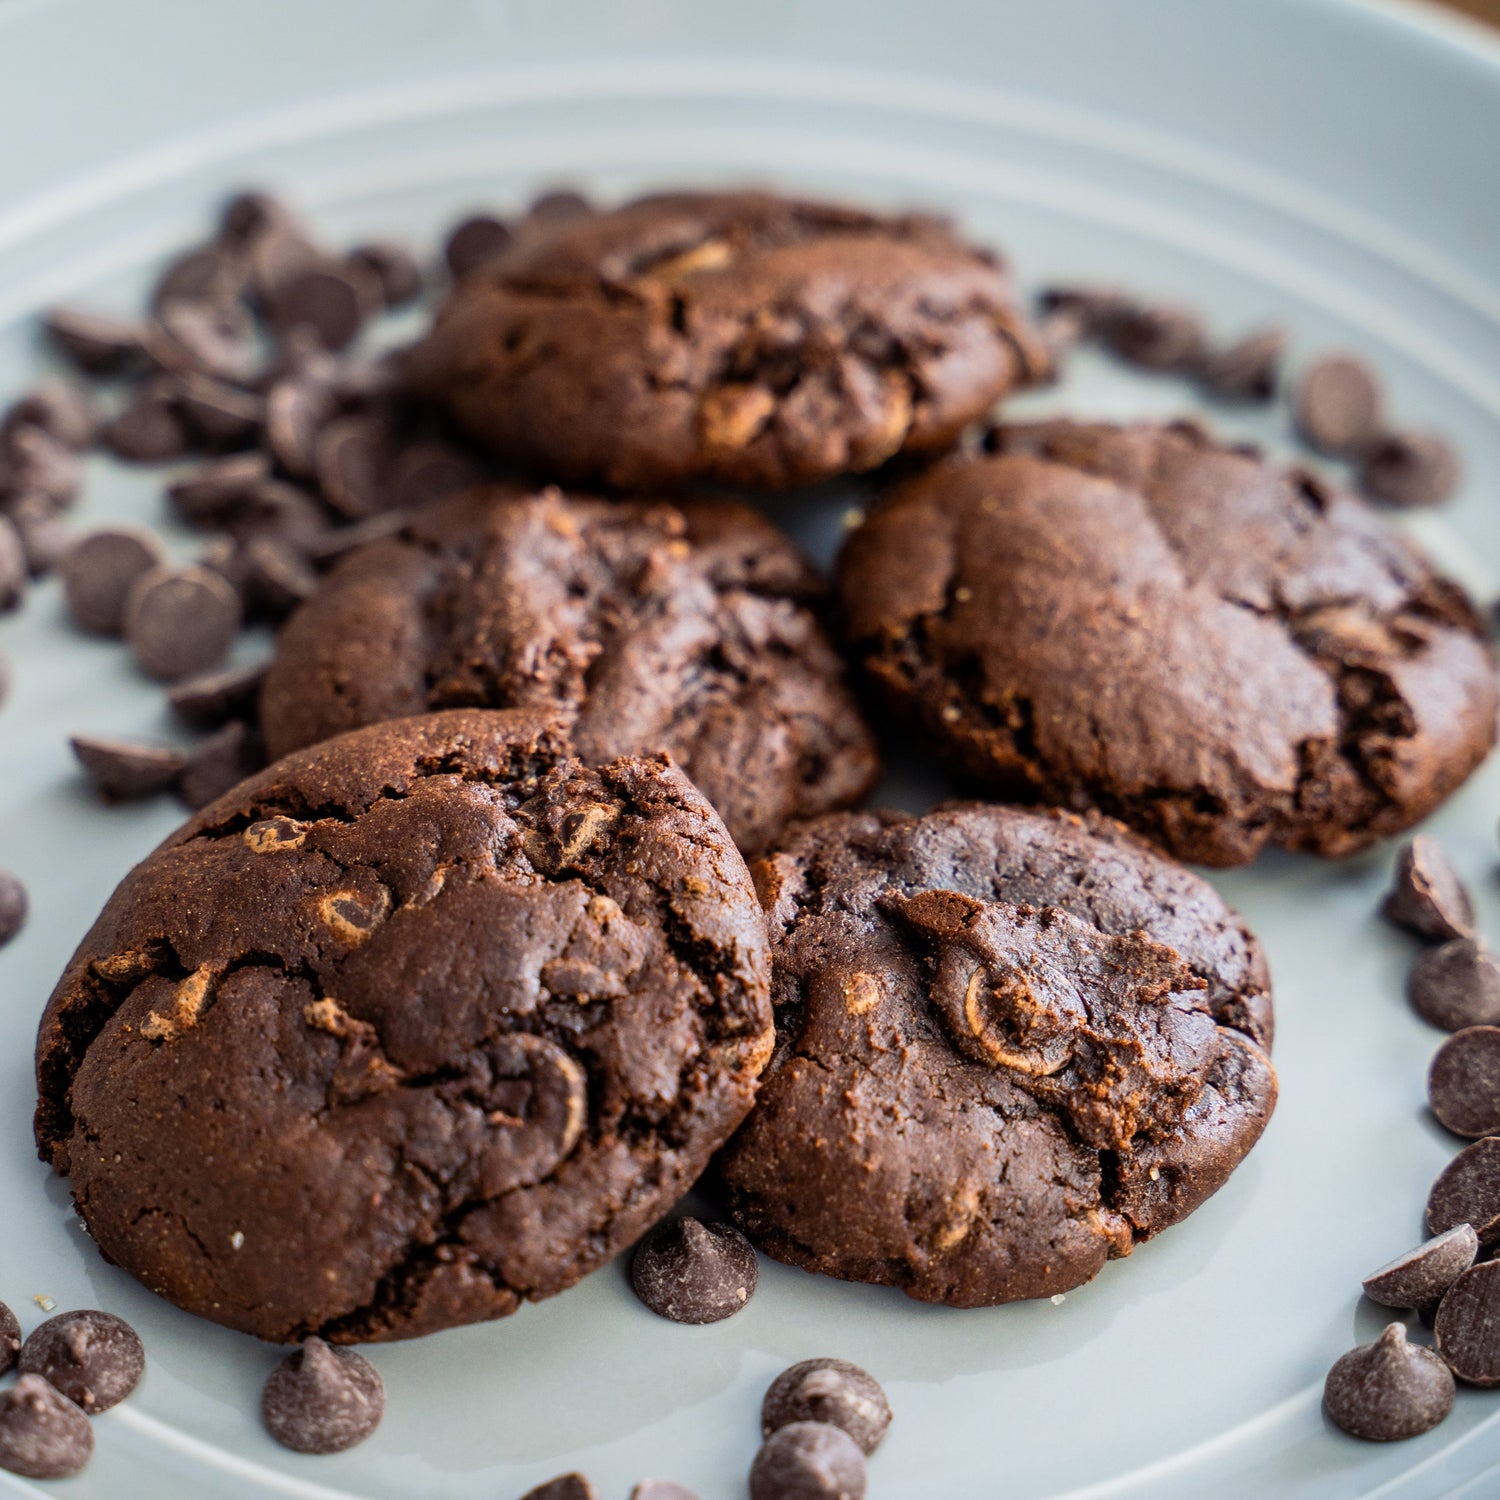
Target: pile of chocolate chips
{"type": "Point", "coordinates": [1338, 401]}
{"type": "Point", "coordinates": [1393, 1388]}
{"type": "Point", "coordinates": [70, 1368]}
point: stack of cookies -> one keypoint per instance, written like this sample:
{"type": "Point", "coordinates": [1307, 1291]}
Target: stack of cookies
{"type": "Point", "coordinates": [454, 1000]}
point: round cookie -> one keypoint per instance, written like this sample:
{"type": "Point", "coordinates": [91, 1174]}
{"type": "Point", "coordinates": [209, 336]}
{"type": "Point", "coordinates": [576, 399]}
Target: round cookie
{"type": "Point", "coordinates": [739, 337]}
{"type": "Point", "coordinates": [689, 630]}
{"type": "Point", "coordinates": [1220, 651]}
{"type": "Point", "coordinates": [1010, 1046]}
{"type": "Point", "coordinates": [413, 1026]}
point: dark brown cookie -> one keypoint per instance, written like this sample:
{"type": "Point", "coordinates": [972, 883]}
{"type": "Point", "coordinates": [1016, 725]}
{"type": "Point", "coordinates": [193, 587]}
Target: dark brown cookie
{"type": "Point", "coordinates": [1221, 652]}
{"type": "Point", "coordinates": [657, 628]}
{"type": "Point", "coordinates": [1010, 1045]}
{"type": "Point", "coordinates": [737, 336]}
{"type": "Point", "coordinates": [413, 1026]}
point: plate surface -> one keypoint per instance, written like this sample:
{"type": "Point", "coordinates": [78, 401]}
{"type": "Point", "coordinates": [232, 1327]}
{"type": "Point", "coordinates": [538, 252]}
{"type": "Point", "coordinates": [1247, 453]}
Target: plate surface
{"type": "Point", "coordinates": [1325, 163]}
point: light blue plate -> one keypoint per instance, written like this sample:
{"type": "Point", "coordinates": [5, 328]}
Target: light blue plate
{"type": "Point", "coordinates": [1327, 163]}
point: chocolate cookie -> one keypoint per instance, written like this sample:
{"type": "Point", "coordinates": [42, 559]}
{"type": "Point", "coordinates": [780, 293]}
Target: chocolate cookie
{"type": "Point", "coordinates": [740, 337]}
{"type": "Point", "coordinates": [657, 628]}
{"type": "Point", "coordinates": [1220, 651]}
{"type": "Point", "coordinates": [1010, 1046]}
{"type": "Point", "coordinates": [413, 1026]}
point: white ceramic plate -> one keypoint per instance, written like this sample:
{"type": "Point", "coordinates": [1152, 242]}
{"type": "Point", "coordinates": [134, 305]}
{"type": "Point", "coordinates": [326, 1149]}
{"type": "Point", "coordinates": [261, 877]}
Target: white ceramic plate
{"type": "Point", "coordinates": [1327, 163]}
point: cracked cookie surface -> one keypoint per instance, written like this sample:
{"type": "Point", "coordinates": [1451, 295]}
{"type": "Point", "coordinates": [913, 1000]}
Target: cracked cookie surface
{"type": "Point", "coordinates": [656, 627]}
{"type": "Point", "coordinates": [1010, 1046]}
{"type": "Point", "coordinates": [413, 1026]}
{"type": "Point", "coordinates": [739, 337]}
{"type": "Point", "coordinates": [1220, 651]}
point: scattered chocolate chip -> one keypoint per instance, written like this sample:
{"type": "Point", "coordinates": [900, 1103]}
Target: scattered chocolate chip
{"type": "Point", "coordinates": [1456, 985]}
{"type": "Point", "coordinates": [335, 542]}
{"type": "Point", "coordinates": [1410, 469]}
{"type": "Point", "coordinates": [193, 338]}
{"type": "Point", "coordinates": [94, 1358]}
{"type": "Point", "coordinates": [32, 459]}
{"type": "Point", "coordinates": [99, 571]}
{"type": "Point", "coordinates": [352, 456]}
{"type": "Point", "coordinates": [248, 216]}
{"type": "Point", "coordinates": [277, 508]}
{"type": "Point", "coordinates": [322, 1400]}
{"type": "Point", "coordinates": [1463, 1084]}
{"type": "Point", "coordinates": [223, 417]}
{"type": "Point", "coordinates": [558, 205]}
{"type": "Point", "coordinates": [1337, 403]}
{"type": "Point", "coordinates": [277, 577]}
{"type": "Point", "coordinates": [209, 273]}
{"type": "Point", "coordinates": [808, 1461]}
{"type": "Point", "coordinates": [1467, 1327]}
{"type": "Point", "coordinates": [62, 411]}
{"type": "Point", "coordinates": [95, 342]}
{"type": "Point", "coordinates": [45, 537]}
{"type": "Point", "coordinates": [208, 700]}
{"type": "Point", "coordinates": [692, 1272]}
{"type": "Point", "coordinates": [564, 1487]}
{"type": "Point", "coordinates": [425, 472]}
{"type": "Point", "coordinates": [831, 1391]}
{"type": "Point", "coordinates": [14, 904]}
{"type": "Point", "coordinates": [14, 573]}
{"type": "Point", "coordinates": [1428, 895]}
{"type": "Point", "coordinates": [1156, 337]}
{"type": "Point", "coordinates": [1388, 1390]}
{"type": "Point", "coordinates": [280, 253]}
{"type": "Point", "coordinates": [1467, 1191]}
{"type": "Point", "coordinates": [1247, 370]}
{"type": "Point", "coordinates": [179, 621]}
{"type": "Point", "coordinates": [215, 764]}
{"type": "Point", "coordinates": [150, 429]}
{"type": "Point", "coordinates": [1092, 308]}
{"type": "Point", "coordinates": [122, 770]}
{"type": "Point", "coordinates": [42, 1434]}
{"type": "Point", "coordinates": [474, 242]}
{"type": "Point", "coordinates": [10, 1338]}
{"type": "Point", "coordinates": [1419, 1278]}
{"type": "Point", "coordinates": [297, 410]}
{"type": "Point", "coordinates": [394, 268]}
{"type": "Point", "coordinates": [299, 355]}
{"type": "Point", "coordinates": [334, 302]}
{"type": "Point", "coordinates": [211, 495]}
{"type": "Point", "coordinates": [661, 1489]}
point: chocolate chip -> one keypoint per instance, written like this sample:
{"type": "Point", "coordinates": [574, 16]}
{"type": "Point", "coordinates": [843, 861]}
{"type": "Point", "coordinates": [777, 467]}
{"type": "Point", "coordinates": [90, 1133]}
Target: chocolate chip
{"type": "Point", "coordinates": [10, 1338]}
{"type": "Point", "coordinates": [14, 905]}
{"type": "Point", "coordinates": [338, 540]}
{"type": "Point", "coordinates": [1156, 337]}
{"type": "Point", "coordinates": [150, 429]}
{"type": "Point", "coordinates": [564, 1487]}
{"type": "Point", "coordinates": [208, 700]}
{"type": "Point", "coordinates": [1410, 469]}
{"type": "Point", "coordinates": [223, 417]}
{"type": "Point", "coordinates": [99, 571]}
{"type": "Point", "coordinates": [661, 1489]}
{"type": "Point", "coordinates": [808, 1461]}
{"type": "Point", "coordinates": [1092, 308]}
{"type": "Point", "coordinates": [353, 454]}
{"type": "Point", "coordinates": [334, 302]}
{"type": "Point", "coordinates": [42, 1434]}
{"type": "Point", "coordinates": [394, 268]}
{"type": "Point", "coordinates": [62, 411]}
{"type": "Point", "coordinates": [831, 1391]}
{"type": "Point", "coordinates": [193, 338]}
{"type": "Point", "coordinates": [558, 206]}
{"type": "Point", "coordinates": [1456, 985]}
{"type": "Point", "coordinates": [297, 410]}
{"type": "Point", "coordinates": [215, 764]}
{"type": "Point", "coordinates": [425, 472]}
{"type": "Point", "coordinates": [277, 577]}
{"type": "Point", "coordinates": [280, 509]}
{"type": "Point", "coordinates": [1467, 1191]}
{"type": "Point", "coordinates": [1419, 1278]}
{"type": "Point", "coordinates": [179, 621]}
{"type": "Point", "coordinates": [95, 342]}
{"type": "Point", "coordinates": [122, 770]}
{"type": "Point", "coordinates": [1467, 1327]}
{"type": "Point", "coordinates": [94, 1358]}
{"type": "Point", "coordinates": [1463, 1084]}
{"type": "Point", "coordinates": [212, 494]}
{"type": "Point", "coordinates": [299, 355]}
{"type": "Point", "coordinates": [692, 1272]}
{"type": "Point", "coordinates": [45, 537]}
{"type": "Point", "coordinates": [1428, 895]}
{"type": "Point", "coordinates": [474, 242]}
{"type": "Point", "coordinates": [280, 253]}
{"type": "Point", "coordinates": [322, 1400]}
{"type": "Point", "coordinates": [1247, 370]}
{"type": "Point", "coordinates": [209, 273]}
{"type": "Point", "coordinates": [1388, 1390]}
{"type": "Point", "coordinates": [1337, 404]}
{"type": "Point", "coordinates": [246, 217]}
{"type": "Point", "coordinates": [14, 573]}
{"type": "Point", "coordinates": [32, 459]}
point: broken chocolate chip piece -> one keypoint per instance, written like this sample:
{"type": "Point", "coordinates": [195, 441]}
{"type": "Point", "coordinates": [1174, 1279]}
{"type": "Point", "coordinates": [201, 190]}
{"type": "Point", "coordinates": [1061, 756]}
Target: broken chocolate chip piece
{"type": "Point", "coordinates": [1388, 1390]}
